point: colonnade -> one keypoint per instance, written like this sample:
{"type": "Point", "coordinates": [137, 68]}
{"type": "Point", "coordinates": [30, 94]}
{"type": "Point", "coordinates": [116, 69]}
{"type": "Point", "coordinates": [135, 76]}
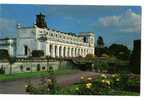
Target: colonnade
{"type": "Point", "coordinates": [62, 51]}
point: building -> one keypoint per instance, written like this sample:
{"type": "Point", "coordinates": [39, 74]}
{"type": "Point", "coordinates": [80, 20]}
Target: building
{"type": "Point", "coordinates": [8, 44]}
{"type": "Point", "coordinates": [53, 43]}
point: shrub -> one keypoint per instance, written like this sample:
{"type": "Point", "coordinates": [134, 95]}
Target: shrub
{"type": "Point", "coordinates": [46, 86]}
{"type": "Point", "coordinates": [2, 70]}
{"type": "Point", "coordinates": [89, 86]}
{"type": "Point", "coordinates": [101, 66]}
{"type": "Point", "coordinates": [90, 57]}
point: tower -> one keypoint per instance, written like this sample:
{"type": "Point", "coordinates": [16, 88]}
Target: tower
{"type": "Point", "coordinates": [91, 39]}
{"type": "Point", "coordinates": [40, 21]}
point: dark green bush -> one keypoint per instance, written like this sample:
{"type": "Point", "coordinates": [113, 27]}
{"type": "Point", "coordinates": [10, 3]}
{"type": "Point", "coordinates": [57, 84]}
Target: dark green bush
{"type": "Point", "coordinates": [2, 70]}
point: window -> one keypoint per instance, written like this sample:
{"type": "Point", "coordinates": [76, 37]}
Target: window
{"type": "Point", "coordinates": [38, 67]}
{"type": "Point", "coordinates": [43, 68]}
{"type": "Point", "coordinates": [85, 39]}
{"type": "Point", "coordinates": [21, 67]}
{"type": "Point", "coordinates": [25, 50]}
{"type": "Point", "coordinates": [27, 69]}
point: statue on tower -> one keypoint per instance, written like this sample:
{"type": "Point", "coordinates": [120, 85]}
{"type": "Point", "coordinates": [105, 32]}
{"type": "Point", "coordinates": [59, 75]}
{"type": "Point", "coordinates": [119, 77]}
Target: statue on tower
{"type": "Point", "coordinates": [40, 21]}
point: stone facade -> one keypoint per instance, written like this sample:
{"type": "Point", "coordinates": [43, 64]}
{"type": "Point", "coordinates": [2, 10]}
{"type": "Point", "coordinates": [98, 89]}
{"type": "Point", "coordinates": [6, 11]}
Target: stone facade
{"type": "Point", "coordinates": [8, 44]}
{"type": "Point", "coordinates": [53, 43]}
{"type": "Point", "coordinates": [34, 65]}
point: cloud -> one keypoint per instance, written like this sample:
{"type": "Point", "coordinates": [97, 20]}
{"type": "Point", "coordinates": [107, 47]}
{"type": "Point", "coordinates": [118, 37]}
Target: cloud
{"type": "Point", "coordinates": [126, 22]}
{"type": "Point", "coordinates": [7, 27]}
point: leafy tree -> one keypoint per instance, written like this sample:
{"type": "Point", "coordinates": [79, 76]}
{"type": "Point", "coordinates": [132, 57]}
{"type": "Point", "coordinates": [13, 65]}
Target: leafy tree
{"type": "Point", "coordinates": [100, 43]}
{"type": "Point", "coordinates": [90, 57]}
{"type": "Point", "coordinates": [5, 55]}
{"type": "Point", "coordinates": [135, 57]}
{"type": "Point", "coordinates": [120, 51]}
{"type": "Point", "coordinates": [100, 51]}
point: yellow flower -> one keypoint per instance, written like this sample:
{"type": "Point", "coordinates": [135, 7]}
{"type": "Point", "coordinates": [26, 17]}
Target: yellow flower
{"type": "Point", "coordinates": [88, 85]}
{"type": "Point", "coordinates": [89, 78]}
{"type": "Point", "coordinates": [117, 79]}
{"type": "Point", "coordinates": [26, 86]}
{"type": "Point", "coordinates": [77, 88]}
{"type": "Point", "coordinates": [81, 77]}
{"type": "Point", "coordinates": [104, 76]}
{"type": "Point", "coordinates": [108, 82]}
{"type": "Point", "coordinates": [49, 81]}
{"type": "Point", "coordinates": [103, 81]}
{"type": "Point", "coordinates": [113, 75]}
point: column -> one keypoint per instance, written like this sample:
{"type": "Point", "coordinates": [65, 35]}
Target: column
{"type": "Point", "coordinates": [53, 51]}
{"type": "Point", "coordinates": [76, 52]}
{"type": "Point", "coordinates": [70, 52]}
{"type": "Point", "coordinates": [80, 52]}
{"type": "Point", "coordinates": [57, 51]}
{"type": "Point", "coordinates": [62, 54]}
{"type": "Point", "coordinates": [73, 52]}
{"type": "Point", "coordinates": [66, 51]}
{"type": "Point", "coordinates": [47, 49]}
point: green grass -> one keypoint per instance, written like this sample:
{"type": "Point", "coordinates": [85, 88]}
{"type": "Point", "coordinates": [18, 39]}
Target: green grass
{"type": "Point", "coordinates": [34, 74]}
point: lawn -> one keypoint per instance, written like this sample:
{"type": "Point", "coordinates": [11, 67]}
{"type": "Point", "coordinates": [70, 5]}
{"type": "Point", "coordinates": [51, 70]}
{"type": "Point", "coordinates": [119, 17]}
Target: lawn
{"type": "Point", "coordinates": [35, 74]}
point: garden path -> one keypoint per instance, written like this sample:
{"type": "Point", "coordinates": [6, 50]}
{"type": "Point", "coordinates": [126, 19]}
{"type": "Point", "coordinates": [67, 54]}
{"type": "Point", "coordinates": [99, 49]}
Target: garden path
{"type": "Point", "coordinates": [18, 86]}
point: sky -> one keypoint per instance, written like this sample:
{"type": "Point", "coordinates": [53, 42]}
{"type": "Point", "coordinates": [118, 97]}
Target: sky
{"type": "Point", "coordinates": [116, 24]}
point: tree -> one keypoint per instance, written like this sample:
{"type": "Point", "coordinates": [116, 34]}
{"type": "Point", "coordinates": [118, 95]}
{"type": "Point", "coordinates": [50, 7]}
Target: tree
{"type": "Point", "coordinates": [90, 57]}
{"type": "Point", "coordinates": [5, 55]}
{"type": "Point", "coordinates": [100, 43]}
{"type": "Point", "coordinates": [120, 51]}
{"type": "Point", "coordinates": [100, 51]}
{"type": "Point", "coordinates": [135, 57]}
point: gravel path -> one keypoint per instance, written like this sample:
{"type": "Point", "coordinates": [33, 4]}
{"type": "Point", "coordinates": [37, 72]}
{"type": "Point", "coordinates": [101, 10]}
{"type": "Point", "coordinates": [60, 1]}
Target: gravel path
{"type": "Point", "coordinates": [18, 86]}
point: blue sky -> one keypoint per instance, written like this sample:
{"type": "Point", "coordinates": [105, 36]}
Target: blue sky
{"type": "Point", "coordinates": [116, 24]}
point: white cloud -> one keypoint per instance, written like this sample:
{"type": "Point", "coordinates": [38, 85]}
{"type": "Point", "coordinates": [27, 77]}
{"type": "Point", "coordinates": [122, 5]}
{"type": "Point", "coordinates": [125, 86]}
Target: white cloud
{"type": "Point", "coordinates": [7, 26]}
{"type": "Point", "coordinates": [126, 22]}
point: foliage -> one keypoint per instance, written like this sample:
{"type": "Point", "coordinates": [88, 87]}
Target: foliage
{"type": "Point", "coordinates": [47, 85]}
{"type": "Point", "coordinates": [101, 66]}
{"type": "Point", "coordinates": [119, 51]}
{"type": "Point", "coordinates": [117, 84]}
{"type": "Point", "coordinates": [37, 53]}
{"type": "Point", "coordinates": [100, 42]}
{"type": "Point", "coordinates": [100, 51]}
{"type": "Point", "coordinates": [135, 58]}
{"type": "Point", "coordinates": [90, 57]}
{"type": "Point", "coordinates": [2, 70]}
{"type": "Point", "coordinates": [4, 54]}
{"type": "Point", "coordinates": [89, 86]}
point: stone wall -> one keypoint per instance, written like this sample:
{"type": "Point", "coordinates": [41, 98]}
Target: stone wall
{"type": "Point", "coordinates": [35, 65]}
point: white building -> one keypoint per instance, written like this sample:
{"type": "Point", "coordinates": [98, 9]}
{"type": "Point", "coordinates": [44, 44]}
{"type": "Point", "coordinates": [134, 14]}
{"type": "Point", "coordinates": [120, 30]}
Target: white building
{"type": "Point", "coordinates": [53, 43]}
{"type": "Point", "coordinates": [8, 44]}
